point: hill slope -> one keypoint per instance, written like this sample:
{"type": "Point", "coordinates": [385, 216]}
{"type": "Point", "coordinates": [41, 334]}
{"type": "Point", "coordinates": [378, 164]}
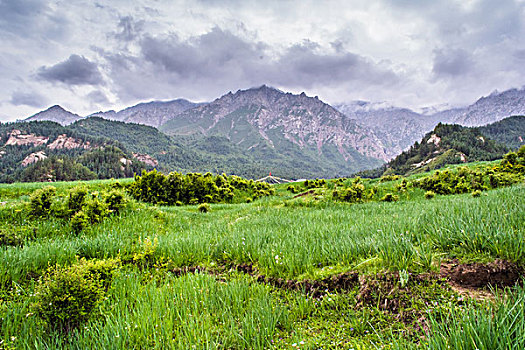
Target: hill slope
{"type": "Point", "coordinates": [446, 144]}
{"type": "Point", "coordinates": [509, 131]}
{"type": "Point", "coordinates": [47, 151]}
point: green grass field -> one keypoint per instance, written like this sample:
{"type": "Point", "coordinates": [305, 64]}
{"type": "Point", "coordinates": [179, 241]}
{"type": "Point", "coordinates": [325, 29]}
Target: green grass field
{"type": "Point", "coordinates": [286, 245]}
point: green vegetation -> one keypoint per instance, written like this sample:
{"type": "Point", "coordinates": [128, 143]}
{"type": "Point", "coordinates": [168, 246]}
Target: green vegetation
{"type": "Point", "coordinates": [332, 264]}
{"type": "Point", "coordinates": [193, 188]}
{"type": "Point", "coordinates": [87, 157]}
{"type": "Point", "coordinates": [509, 131]}
{"type": "Point", "coordinates": [446, 144]}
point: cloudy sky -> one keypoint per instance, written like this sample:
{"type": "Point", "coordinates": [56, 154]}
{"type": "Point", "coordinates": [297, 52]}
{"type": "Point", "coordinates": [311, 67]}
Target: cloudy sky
{"type": "Point", "coordinates": [108, 54]}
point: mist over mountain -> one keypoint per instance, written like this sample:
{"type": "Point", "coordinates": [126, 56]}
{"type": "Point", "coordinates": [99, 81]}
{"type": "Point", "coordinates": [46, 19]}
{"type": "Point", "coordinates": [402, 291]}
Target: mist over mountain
{"type": "Point", "coordinates": [399, 128]}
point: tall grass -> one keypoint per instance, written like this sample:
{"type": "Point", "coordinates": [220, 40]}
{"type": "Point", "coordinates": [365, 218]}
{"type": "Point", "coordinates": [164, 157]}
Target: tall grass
{"type": "Point", "coordinates": [497, 327]}
{"type": "Point", "coordinates": [289, 242]}
{"type": "Point", "coordinates": [190, 312]}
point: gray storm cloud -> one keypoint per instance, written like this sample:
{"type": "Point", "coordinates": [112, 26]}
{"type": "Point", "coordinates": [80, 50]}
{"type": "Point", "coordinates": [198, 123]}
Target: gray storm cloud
{"type": "Point", "coordinates": [409, 53]}
{"type": "Point", "coordinates": [76, 70]}
{"type": "Point", "coordinates": [452, 63]}
{"type": "Point", "coordinates": [220, 56]}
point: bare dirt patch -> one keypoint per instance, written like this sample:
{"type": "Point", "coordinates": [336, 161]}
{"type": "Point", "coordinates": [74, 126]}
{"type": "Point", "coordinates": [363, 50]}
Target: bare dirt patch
{"type": "Point", "coordinates": [499, 273]}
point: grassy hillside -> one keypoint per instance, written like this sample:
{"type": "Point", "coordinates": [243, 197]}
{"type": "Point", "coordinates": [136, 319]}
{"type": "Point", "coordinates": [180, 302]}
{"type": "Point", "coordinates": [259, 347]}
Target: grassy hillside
{"type": "Point", "coordinates": [63, 154]}
{"type": "Point", "coordinates": [509, 131]}
{"type": "Point", "coordinates": [221, 152]}
{"type": "Point", "coordinates": [344, 263]}
{"type": "Point", "coordinates": [446, 144]}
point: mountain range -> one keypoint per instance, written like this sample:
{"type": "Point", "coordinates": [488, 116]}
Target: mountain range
{"type": "Point", "coordinates": [266, 129]}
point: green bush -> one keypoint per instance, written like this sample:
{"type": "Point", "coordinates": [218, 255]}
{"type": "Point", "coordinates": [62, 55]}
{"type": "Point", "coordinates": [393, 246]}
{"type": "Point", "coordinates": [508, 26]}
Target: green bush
{"type": "Point", "coordinates": [9, 238]}
{"type": "Point", "coordinates": [204, 208]}
{"type": "Point", "coordinates": [194, 188]}
{"type": "Point", "coordinates": [389, 197]}
{"type": "Point", "coordinates": [76, 199]}
{"type": "Point", "coordinates": [353, 194]}
{"type": "Point", "coordinates": [66, 297]}
{"type": "Point", "coordinates": [429, 194]}
{"type": "Point", "coordinates": [41, 201]}
{"type": "Point", "coordinates": [291, 189]}
{"type": "Point", "coordinates": [95, 209]}
{"type": "Point", "coordinates": [387, 178]}
{"type": "Point", "coordinates": [476, 193]}
{"type": "Point", "coordinates": [79, 222]}
{"type": "Point", "coordinates": [115, 200]}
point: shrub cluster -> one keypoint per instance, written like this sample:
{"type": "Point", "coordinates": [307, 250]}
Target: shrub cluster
{"type": "Point", "coordinates": [510, 171]}
{"type": "Point", "coordinates": [81, 207]}
{"type": "Point", "coordinates": [194, 188]}
{"type": "Point", "coordinates": [354, 193]}
{"type": "Point", "coordinates": [9, 238]}
{"type": "Point", "coordinates": [66, 297]}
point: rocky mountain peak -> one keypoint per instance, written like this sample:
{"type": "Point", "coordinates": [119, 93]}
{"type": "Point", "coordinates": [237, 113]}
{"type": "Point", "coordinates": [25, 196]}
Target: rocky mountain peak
{"type": "Point", "coordinates": [153, 113]}
{"type": "Point", "coordinates": [56, 114]}
{"type": "Point", "coordinates": [265, 115]}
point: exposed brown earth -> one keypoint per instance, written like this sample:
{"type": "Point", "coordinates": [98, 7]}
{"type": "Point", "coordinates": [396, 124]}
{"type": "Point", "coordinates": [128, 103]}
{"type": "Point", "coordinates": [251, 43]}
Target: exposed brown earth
{"type": "Point", "coordinates": [16, 138]}
{"type": "Point", "coordinates": [33, 158]}
{"type": "Point", "coordinates": [499, 273]}
{"type": "Point", "coordinates": [475, 276]}
{"type": "Point", "coordinates": [63, 141]}
{"type": "Point", "coordinates": [146, 158]}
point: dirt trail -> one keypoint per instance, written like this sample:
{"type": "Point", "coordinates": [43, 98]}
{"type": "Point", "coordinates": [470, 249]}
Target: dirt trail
{"type": "Point", "coordinates": [469, 279]}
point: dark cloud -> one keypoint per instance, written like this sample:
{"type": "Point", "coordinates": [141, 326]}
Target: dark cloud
{"type": "Point", "coordinates": [219, 61]}
{"type": "Point", "coordinates": [76, 70]}
{"type": "Point", "coordinates": [305, 65]}
{"type": "Point", "coordinates": [97, 97]}
{"type": "Point", "coordinates": [28, 98]}
{"type": "Point", "coordinates": [213, 54]}
{"type": "Point", "coordinates": [520, 54]}
{"type": "Point", "coordinates": [451, 63]}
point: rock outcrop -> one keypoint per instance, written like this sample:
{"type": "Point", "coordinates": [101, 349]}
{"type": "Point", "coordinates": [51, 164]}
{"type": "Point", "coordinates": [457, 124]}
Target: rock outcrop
{"type": "Point", "coordinates": [67, 142]}
{"type": "Point", "coordinates": [33, 158]}
{"type": "Point", "coordinates": [146, 158]}
{"type": "Point", "coordinates": [16, 138]}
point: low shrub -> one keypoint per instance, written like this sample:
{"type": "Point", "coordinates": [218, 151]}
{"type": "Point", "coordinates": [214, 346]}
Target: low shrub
{"type": "Point", "coordinates": [194, 188]}
{"type": "Point", "coordinates": [79, 222]}
{"type": "Point", "coordinates": [204, 208]}
{"type": "Point", "coordinates": [429, 194]}
{"type": "Point", "coordinates": [115, 200]}
{"type": "Point", "coordinates": [8, 238]}
{"type": "Point", "coordinates": [389, 197]}
{"type": "Point", "coordinates": [353, 194]}
{"type": "Point", "coordinates": [76, 199]}
{"type": "Point", "coordinates": [41, 201]}
{"type": "Point", "coordinates": [66, 297]}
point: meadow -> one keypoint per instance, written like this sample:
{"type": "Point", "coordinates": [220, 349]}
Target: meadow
{"type": "Point", "coordinates": [279, 272]}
